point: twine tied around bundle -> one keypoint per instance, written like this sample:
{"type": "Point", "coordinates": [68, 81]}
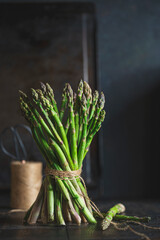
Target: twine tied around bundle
{"type": "Point", "coordinates": [70, 175]}
{"type": "Point", "coordinates": [63, 175]}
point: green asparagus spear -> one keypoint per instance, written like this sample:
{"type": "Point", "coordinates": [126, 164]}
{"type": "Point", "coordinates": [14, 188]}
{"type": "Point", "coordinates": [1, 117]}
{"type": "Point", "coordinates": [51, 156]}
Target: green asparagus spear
{"type": "Point", "coordinates": [131, 218]}
{"type": "Point", "coordinates": [99, 107]}
{"type": "Point", "coordinates": [88, 94]}
{"type": "Point", "coordinates": [50, 94]}
{"type": "Point", "coordinates": [58, 208]}
{"type": "Point", "coordinates": [82, 146]}
{"type": "Point", "coordinates": [94, 103]}
{"type": "Point", "coordinates": [118, 208]}
{"type": "Point", "coordinates": [94, 131]}
{"type": "Point", "coordinates": [63, 104]}
{"type": "Point", "coordinates": [69, 93]}
{"type": "Point", "coordinates": [50, 200]}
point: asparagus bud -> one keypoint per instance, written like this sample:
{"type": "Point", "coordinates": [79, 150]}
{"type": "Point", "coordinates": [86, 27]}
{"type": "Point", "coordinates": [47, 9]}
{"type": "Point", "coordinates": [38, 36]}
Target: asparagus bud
{"type": "Point", "coordinates": [49, 90]}
{"type": "Point", "coordinates": [34, 95]}
{"type": "Point", "coordinates": [44, 100]}
{"type": "Point", "coordinates": [69, 93]}
{"type": "Point", "coordinates": [43, 87]}
{"type": "Point", "coordinates": [101, 117]}
{"type": "Point", "coordinates": [23, 95]}
{"type": "Point", "coordinates": [88, 92]}
{"type": "Point", "coordinates": [95, 97]}
{"type": "Point", "coordinates": [63, 104]}
{"type": "Point", "coordinates": [101, 101]}
{"type": "Point", "coordinates": [94, 103]}
{"type": "Point", "coordinates": [80, 89]}
{"type": "Point", "coordinates": [83, 103]}
{"type": "Point", "coordinates": [50, 95]}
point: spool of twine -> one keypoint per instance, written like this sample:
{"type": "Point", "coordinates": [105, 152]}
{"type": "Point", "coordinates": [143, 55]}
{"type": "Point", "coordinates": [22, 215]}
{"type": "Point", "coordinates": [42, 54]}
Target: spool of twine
{"type": "Point", "coordinates": [26, 179]}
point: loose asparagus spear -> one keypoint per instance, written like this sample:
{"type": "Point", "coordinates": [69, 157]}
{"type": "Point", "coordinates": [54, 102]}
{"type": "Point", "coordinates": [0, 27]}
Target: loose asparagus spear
{"type": "Point", "coordinates": [131, 218]}
{"type": "Point", "coordinates": [118, 208]}
{"type": "Point", "coordinates": [118, 217]}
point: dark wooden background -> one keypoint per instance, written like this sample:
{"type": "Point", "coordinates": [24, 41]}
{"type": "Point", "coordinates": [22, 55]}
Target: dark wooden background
{"type": "Point", "coordinates": [55, 45]}
{"type": "Point", "coordinates": [128, 63]}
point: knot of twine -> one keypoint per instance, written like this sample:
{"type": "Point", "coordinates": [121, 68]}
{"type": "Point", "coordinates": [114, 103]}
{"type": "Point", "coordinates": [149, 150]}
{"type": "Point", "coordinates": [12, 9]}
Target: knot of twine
{"type": "Point", "coordinates": [70, 175]}
{"type": "Point", "coordinates": [63, 175]}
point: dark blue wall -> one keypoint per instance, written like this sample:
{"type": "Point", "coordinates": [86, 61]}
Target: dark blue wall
{"type": "Point", "coordinates": [129, 74]}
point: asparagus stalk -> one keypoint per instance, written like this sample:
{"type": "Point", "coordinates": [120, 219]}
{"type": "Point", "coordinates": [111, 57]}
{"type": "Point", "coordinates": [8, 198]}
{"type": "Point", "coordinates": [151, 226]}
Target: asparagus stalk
{"type": "Point", "coordinates": [118, 208]}
{"type": "Point", "coordinates": [94, 131]}
{"type": "Point", "coordinates": [50, 200]}
{"type": "Point", "coordinates": [44, 214]}
{"type": "Point", "coordinates": [50, 94]}
{"type": "Point", "coordinates": [99, 107]}
{"type": "Point", "coordinates": [79, 97]}
{"type": "Point", "coordinates": [76, 107]}
{"type": "Point", "coordinates": [94, 103]}
{"type": "Point", "coordinates": [63, 104]}
{"type": "Point", "coordinates": [66, 213]}
{"type": "Point", "coordinates": [67, 126]}
{"type": "Point", "coordinates": [118, 217]}
{"type": "Point", "coordinates": [58, 208]}
{"type": "Point", "coordinates": [131, 218]}
{"type": "Point", "coordinates": [35, 210]}
{"type": "Point", "coordinates": [81, 148]}
{"type": "Point", "coordinates": [69, 93]}
{"type": "Point", "coordinates": [88, 94]}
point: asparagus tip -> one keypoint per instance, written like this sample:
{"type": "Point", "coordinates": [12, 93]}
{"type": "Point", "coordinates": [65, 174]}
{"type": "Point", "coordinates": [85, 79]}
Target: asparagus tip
{"type": "Point", "coordinates": [34, 94]}
{"type": "Point", "coordinates": [43, 87]}
{"type": "Point", "coordinates": [22, 94]}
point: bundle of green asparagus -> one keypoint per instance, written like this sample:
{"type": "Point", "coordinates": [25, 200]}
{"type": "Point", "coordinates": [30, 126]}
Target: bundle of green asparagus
{"type": "Point", "coordinates": [64, 142]}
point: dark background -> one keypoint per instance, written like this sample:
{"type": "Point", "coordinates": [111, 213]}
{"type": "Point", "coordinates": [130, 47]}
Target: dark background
{"type": "Point", "coordinates": [127, 49]}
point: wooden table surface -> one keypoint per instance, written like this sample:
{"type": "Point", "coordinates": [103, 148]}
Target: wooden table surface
{"type": "Point", "coordinates": [11, 226]}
